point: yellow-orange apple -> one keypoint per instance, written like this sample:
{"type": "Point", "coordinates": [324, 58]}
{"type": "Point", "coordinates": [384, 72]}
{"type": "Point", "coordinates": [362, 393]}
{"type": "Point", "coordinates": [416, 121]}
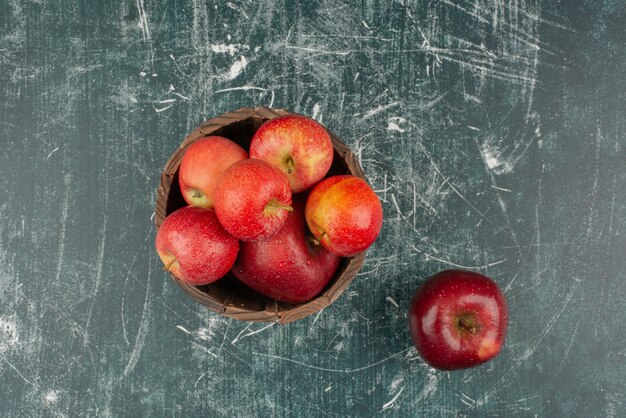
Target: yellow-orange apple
{"type": "Point", "coordinates": [344, 214]}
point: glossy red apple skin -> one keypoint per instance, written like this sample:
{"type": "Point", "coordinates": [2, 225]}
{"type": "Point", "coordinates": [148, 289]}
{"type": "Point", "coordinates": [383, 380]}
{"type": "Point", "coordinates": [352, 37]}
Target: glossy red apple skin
{"type": "Point", "coordinates": [458, 319]}
{"type": "Point", "coordinates": [344, 214]}
{"type": "Point", "coordinates": [202, 165]}
{"type": "Point", "coordinates": [299, 146]}
{"type": "Point", "coordinates": [194, 246]}
{"type": "Point", "coordinates": [252, 199]}
{"type": "Point", "coordinates": [287, 267]}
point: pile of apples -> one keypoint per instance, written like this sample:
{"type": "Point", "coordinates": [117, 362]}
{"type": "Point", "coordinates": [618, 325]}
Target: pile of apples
{"type": "Point", "coordinates": [273, 217]}
{"type": "Point", "coordinates": [269, 214]}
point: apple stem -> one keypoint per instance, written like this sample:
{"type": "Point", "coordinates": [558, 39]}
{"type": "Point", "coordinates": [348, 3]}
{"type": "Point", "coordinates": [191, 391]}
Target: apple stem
{"type": "Point", "coordinates": [168, 265]}
{"type": "Point", "coordinates": [273, 203]}
{"type": "Point", "coordinates": [312, 240]}
{"type": "Point", "coordinates": [467, 326]}
{"type": "Point", "coordinates": [197, 194]}
{"type": "Point", "coordinates": [290, 165]}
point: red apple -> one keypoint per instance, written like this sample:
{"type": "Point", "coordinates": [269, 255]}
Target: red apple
{"type": "Point", "coordinates": [194, 246]}
{"type": "Point", "coordinates": [252, 200]}
{"type": "Point", "coordinates": [289, 266]}
{"type": "Point", "coordinates": [203, 163]}
{"type": "Point", "coordinates": [458, 319]}
{"type": "Point", "coordinates": [298, 146]}
{"type": "Point", "coordinates": [344, 214]}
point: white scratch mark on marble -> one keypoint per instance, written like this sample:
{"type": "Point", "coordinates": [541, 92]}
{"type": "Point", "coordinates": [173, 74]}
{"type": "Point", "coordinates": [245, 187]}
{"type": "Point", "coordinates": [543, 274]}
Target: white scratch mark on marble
{"type": "Point", "coordinates": [255, 331]}
{"type": "Point", "coordinates": [569, 347]}
{"type": "Point", "coordinates": [484, 67]}
{"type": "Point", "coordinates": [230, 49]}
{"type": "Point", "coordinates": [52, 152]}
{"type": "Point", "coordinates": [325, 369]}
{"type": "Point", "coordinates": [317, 114]}
{"type": "Point", "coordinates": [162, 109]}
{"type": "Point", "coordinates": [417, 198]}
{"type": "Point", "coordinates": [240, 333]}
{"type": "Point", "coordinates": [240, 336]}
{"type": "Point", "coordinates": [378, 263]}
{"type": "Point", "coordinates": [308, 49]}
{"type": "Point", "coordinates": [183, 329]}
{"type": "Point", "coordinates": [16, 370]}
{"type": "Point", "coordinates": [502, 189]}
{"type": "Point", "coordinates": [219, 350]}
{"type": "Point", "coordinates": [467, 400]}
{"type": "Point", "coordinates": [141, 334]}
{"type": "Point", "coordinates": [236, 68]}
{"type": "Point", "coordinates": [245, 88]}
{"type": "Point", "coordinates": [201, 376]}
{"type": "Point", "coordinates": [475, 100]}
{"type": "Point", "coordinates": [612, 208]}
{"type": "Point", "coordinates": [205, 334]}
{"type": "Point", "coordinates": [396, 382]}
{"type": "Point", "coordinates": [318, 51]}
{"type": "Point", "coordinates": [238, 9]}
{"type": "Point", "coordinates": [395, 203]}
{"type": "Point", "coordinates": [474, 15]}
{"type": "Point", "coordinates": [392, 301]}
{"type": "Point", "coordinates": [492, 157]}
{"type": "Point", "coordinates": [433, 102]}
{"type": "Point", "coordinates": [100, 259]}
{"type": "Point", "coordinates": [392, 401]}
{"type": "Point", "coordinates": [143, 20]}
{"type": "Point", "coordinates": [431, 386]}
{"type": "Point", "coordinates": [203, 348]}
{"type": "Point", "coordinates": [593, 212]}
{"type": "Point", "coordinates": [317, 316]}
{"type": "Point", "coordinates": [51, 397]}
{"type": "Point", "coordinates": [539, 18]}
{"type": "Point", "coordinates": [129, 273]}
{"type": "Point", "coordinates": [124, 333]}
{"type": "Point", "coordinates": [379, 109]}
{"type": "Point", "coordinates": [392, 126]}
{"type": "Point", "coordinates": [429, 256]}
{"type": "Point", "coordinates": [145, 30]}
{"type": "Point", "coordinates": [384, 190]}
{"type": "Point", "coordinates": [185, 98]}
{"type": "Point", "coordinates": [64, 213]}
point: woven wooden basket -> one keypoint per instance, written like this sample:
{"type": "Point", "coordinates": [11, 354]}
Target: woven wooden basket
{"type": "Point", "coordinates": [228, 296]}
